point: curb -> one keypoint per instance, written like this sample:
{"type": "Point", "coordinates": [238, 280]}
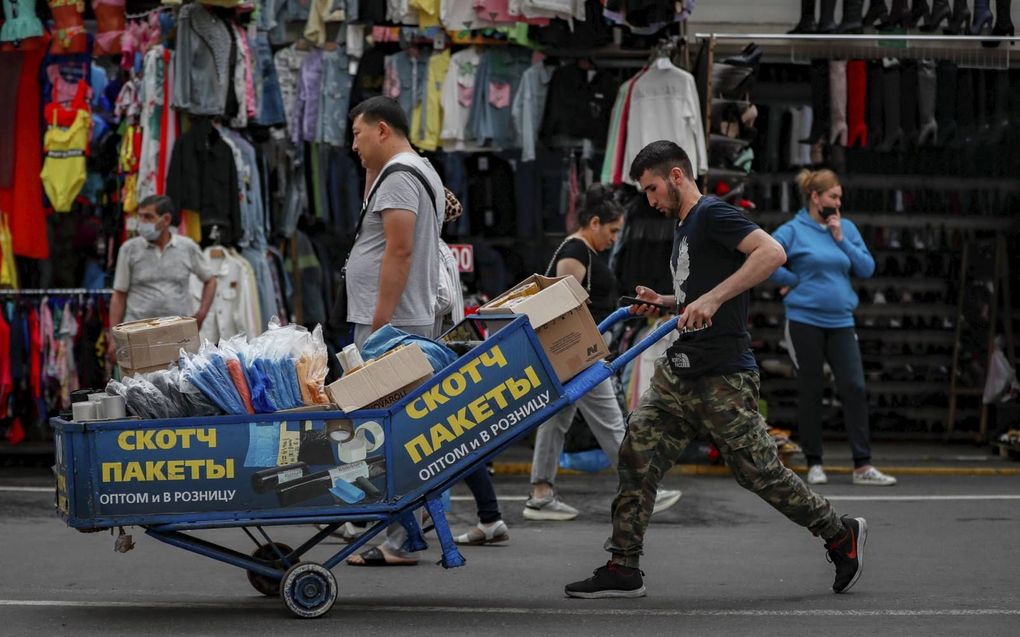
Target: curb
{"type": "Point", "coordinates": [524, 469]}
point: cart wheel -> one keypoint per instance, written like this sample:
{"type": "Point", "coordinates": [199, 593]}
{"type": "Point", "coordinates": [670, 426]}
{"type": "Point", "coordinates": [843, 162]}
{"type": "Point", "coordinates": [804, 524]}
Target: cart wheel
{"type": "Point", "coordinates": [265, 553]}
{"type": "Point", "coordinates": [308, 590]}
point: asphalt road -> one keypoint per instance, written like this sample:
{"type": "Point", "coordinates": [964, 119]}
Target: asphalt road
{"type": "Point", "coordinates": [942, 558]}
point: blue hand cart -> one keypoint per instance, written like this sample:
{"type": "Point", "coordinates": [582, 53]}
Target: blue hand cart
{"type": "Point", "coordinates": [172, 477]}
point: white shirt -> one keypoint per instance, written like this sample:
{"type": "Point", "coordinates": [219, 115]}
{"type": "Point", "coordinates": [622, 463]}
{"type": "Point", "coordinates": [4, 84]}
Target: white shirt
{"type": "Point", "coordinates": [664, 105]}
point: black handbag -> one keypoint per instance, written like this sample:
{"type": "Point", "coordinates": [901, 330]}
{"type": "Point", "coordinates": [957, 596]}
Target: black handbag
{"type": "Point", "coordinates": [338, 314]}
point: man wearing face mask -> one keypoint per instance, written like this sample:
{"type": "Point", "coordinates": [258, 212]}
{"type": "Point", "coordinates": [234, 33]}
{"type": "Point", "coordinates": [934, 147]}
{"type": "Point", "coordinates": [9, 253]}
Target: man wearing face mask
{"type": "Point", "coordinates": [151, 279]}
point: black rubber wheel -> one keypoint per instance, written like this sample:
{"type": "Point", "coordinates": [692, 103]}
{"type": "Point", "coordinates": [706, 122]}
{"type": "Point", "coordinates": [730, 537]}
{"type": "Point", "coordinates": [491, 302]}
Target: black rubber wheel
{"type": "Point", "coordinates": [308, 590]}
{"type": "Point", "coordinates": [265, 553]}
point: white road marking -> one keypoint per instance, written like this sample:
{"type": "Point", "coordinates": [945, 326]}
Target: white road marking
{"type": "Point", "coordinates": [917, 498]}
{"type": "Point", "coordinates": [855, 498]}
{"type": "Point", "coordinates": [844, 498]}
{"type": "Point", "coordinates": [513, 610]}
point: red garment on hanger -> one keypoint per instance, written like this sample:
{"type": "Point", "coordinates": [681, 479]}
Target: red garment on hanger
{"type": "Point", "coordinates": [6, 384]}
{"type": "Point", "coordinates": [65, 115]}
{"type": "Point", "coordinates": [34, 353]}
{"type": "Point", "coordinates": [622, 135]}
{"type": "Point", "coordinates": [23, 201]}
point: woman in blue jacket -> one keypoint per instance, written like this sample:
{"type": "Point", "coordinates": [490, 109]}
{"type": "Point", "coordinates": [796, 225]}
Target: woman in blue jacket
{"type": "Point", "coordinates": [823, 251]}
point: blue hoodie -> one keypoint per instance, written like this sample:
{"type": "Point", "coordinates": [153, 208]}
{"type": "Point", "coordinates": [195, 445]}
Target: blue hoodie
{"type": "Point", "coordinates": [818, 270]}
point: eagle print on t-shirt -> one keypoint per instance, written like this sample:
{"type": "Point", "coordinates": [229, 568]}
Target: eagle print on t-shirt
{"type": "Point", "coordinates": [681, 271]}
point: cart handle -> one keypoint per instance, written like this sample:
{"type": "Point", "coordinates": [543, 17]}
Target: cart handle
{"type": "Point", "coordinates": [659, 333]}
{"type": "Point", "coordinates": [589, 378]}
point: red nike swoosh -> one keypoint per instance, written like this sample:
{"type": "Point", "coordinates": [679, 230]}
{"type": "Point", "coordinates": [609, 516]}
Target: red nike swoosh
{"type": "Point", "coordinates": [853, 550]}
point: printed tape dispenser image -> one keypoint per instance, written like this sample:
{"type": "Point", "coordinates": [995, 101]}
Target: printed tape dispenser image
{"type": "Point", "coordinates": [350, 481]}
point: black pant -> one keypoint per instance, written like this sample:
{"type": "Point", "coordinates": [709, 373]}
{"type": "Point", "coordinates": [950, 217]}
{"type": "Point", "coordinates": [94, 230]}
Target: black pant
{"type": "Point", "coordinates": [480, 483]}
{"type": "Point", "coordinates": [810, 347]}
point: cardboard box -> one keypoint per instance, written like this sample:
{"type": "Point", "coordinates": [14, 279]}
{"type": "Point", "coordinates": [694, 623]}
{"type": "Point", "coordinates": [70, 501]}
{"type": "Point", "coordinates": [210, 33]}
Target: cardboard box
{"type": "Point", "coordinates": [153, 344]}
{"type": "Point", "coordinates": [382, 381]}
{"type": "Point", "coordinates": [560, 317]}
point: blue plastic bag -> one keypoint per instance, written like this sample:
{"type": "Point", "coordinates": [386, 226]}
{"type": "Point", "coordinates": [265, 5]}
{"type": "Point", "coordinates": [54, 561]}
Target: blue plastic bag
{"type": "Point", "coordinates": [590, 461]}
{"type": "Point", "coordinates": [387, 338]}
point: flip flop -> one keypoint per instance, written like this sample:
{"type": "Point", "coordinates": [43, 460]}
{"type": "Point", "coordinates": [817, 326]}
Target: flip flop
{"type": "Point", "coordinates": [375, 557]}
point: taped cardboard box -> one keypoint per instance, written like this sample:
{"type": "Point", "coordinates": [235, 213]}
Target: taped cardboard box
{"type": "Point", "coordinates": [152, 344]}
{"type": "Point", "coordinates": [382, 381]}
{"type": "Point", "coordinates": [559, 314]}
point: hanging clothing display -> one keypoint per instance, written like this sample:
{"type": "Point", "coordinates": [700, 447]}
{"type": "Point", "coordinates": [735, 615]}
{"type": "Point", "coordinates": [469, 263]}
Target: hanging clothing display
{"type": "Point", "coordinates": [664, 104]}
{"type": "Point", "coordinates": [20, 21]}
{"type": "Point", "coordinates": [65, 146]}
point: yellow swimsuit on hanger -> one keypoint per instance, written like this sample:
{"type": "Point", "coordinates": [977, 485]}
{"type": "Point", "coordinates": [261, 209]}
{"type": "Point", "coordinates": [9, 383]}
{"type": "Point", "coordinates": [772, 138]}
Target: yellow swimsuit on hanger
{"type": "Point", "coordinates": [63, 172]}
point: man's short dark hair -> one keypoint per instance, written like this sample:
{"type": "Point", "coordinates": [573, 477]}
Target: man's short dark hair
{"type": "Point", "coordinates": [661, 157]}
{"type": "Point", "coordinates": [162, 204]}
{"type": "Point", "coordinates": [382, 109]}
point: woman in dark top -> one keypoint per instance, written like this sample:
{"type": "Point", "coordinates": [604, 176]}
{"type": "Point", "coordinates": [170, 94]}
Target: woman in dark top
{"type": "Point", "coordinates": [601, 218]}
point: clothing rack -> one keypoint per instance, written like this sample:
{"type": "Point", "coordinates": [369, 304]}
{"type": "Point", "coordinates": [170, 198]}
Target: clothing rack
{"type": "Point", "coordinates": [802, 47]}
{"type": "Point", "coordinates": [56, 291]}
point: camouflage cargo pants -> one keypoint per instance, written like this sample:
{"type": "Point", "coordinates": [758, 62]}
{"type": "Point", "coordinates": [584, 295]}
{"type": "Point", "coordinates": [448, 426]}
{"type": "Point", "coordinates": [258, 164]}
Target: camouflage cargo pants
{"type": "Point", "coordinates": [673, 412]}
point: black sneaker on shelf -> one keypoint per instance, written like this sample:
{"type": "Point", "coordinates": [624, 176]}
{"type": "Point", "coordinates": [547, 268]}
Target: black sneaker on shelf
{"type": "Point", "coordinates": [847, 553]}
{"type": "Point", "coordinates": [611, 580]}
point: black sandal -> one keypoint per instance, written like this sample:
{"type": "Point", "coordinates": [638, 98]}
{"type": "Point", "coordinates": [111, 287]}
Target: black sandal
{"type": "Point", "coordinates": [375, 557]}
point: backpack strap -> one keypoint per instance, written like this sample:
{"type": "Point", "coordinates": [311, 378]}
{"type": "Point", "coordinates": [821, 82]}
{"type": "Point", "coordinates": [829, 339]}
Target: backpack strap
{"type": "Point", "coordinates": [389, 170]}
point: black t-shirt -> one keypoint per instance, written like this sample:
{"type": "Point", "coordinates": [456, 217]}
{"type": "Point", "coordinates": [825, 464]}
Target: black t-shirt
{"type": "Point", "coordinates": [599, 280]}
{"type": "Point", "coordinates": [705, 254]}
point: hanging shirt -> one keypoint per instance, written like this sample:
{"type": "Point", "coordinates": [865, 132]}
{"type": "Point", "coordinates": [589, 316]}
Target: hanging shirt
{"type": "Point", "coordinates": [665, 105]}
{"type": "Point", "coordinates": [457, 95]}
{"type": "Point", "coordinates": [528, 106]}
{"type": "Point", "coordinates": [427, 117]}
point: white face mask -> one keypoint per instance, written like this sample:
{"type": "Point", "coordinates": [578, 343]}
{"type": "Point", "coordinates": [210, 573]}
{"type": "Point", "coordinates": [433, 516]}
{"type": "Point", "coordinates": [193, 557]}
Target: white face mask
{"type": "Point", "coordinates": [149, 231]}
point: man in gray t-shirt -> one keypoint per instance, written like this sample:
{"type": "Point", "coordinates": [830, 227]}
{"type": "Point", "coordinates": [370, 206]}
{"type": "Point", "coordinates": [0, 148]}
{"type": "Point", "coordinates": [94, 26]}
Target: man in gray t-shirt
{"type": "Point", "coordinates": [393, 270]}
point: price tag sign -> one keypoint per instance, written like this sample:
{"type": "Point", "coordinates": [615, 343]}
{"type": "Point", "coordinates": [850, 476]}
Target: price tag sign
{"type": "Point", "coordinates": [465, 253]}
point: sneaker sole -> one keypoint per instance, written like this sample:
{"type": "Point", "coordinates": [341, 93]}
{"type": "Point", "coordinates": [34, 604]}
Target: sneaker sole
{"type": "Point", "coordinates": [863, 483]}
{"type": "Point", "coordinates": [861, 541]}
{"type": "Point", "coordinates": [637, 592]}
{"type": "Point", "coordinates": [665, 503]}
{"type": "Point", "coordinates": [540, 515]}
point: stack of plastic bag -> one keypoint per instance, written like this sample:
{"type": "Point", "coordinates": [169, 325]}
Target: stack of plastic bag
{"type": "Point", "coordinates": [286, 367]}
{"type": "Point", "coordinates": [209, 371]}
{"type": "Point", "coordinates": [161, 394]}
{"type": "Point", "coordinates": [282, 368]}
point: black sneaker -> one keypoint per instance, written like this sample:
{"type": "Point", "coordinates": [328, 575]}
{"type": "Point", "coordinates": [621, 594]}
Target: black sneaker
{"type": "Point", "coordinates": [847, 553]}
{"type": "Point", "coordinates": [611, 580]}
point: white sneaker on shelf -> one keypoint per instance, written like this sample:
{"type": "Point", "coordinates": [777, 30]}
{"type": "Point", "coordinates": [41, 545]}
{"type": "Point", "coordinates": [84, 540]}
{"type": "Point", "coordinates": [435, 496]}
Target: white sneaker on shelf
{"type": "Point", "coordinates": [873, 478]}
{"type": "Point", "coordinates": [665, 498]}
{"type": "Point", "coordinates": [816, 475]}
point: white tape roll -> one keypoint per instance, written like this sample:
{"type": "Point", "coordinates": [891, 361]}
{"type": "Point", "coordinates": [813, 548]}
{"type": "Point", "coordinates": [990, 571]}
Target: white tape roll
{"type": "Point", "coordinates": [373, 429]}
{"type": "Point", "coordinates": [353, 450]}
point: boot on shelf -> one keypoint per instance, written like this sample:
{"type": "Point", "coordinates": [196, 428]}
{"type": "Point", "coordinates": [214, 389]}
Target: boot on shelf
{"type": "Point", "coordinates": [982, 17]}
{"type": "Point", "coordinates": [926, 90]}
{"type": "Point", "coordinates": [918, 11]}
{"type": "Point", "coordinates": [852, 21]}
{"type": "Point", "coordinates": [908, 100]}
{"type": "Point", "coordinates": [898, 16]}
{"type": "Point", "coordinates": [891, 122]}
{"type": "Point", "coordinates": [877, 12]}
{"type": "Point", "coordinates": [940, 12]}
{"type": "Point", "coordinates": [807, 22]}
{"type": "Point", "coordinates": [827, 19]}
{"type": "Point", "coordinates": [819, 75]}
{"type": "Point", "coordinates": [838, 102]}
{"type": "Point", "coordinates": [945, 102]}
{"type": "Point", "coordinates": [1003, 22]}
{"type": "Point", "coordinates": [875, 132]}
{"type": "Point", "coordinates": [965, 122]}
{"type": "Point", "coordinates": [957, 25]}
{"type": "Point", "coordinates": [857, 100]}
